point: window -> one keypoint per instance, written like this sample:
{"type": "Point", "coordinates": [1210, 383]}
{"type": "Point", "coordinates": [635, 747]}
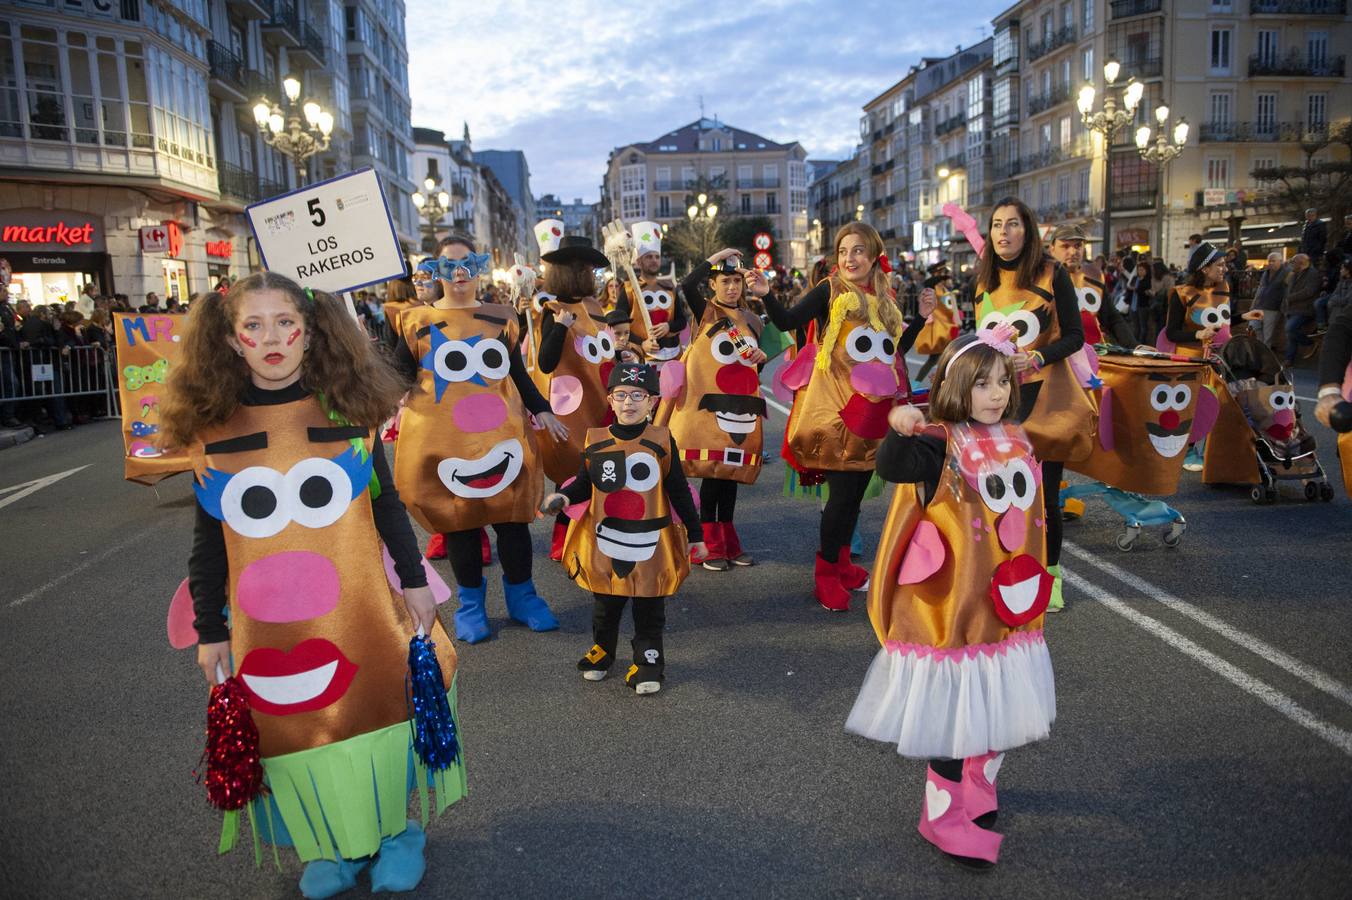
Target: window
{"type": "Point", "coordinates": [797, 176]}
{"type": "Point", "coordinates": [1047, 83]}
{"type": "Point", "coordinates": [632, 179]}
{"type": "Point", "coordinates": [1262, 162]}
{"type": "Point", "coordinates": [746, 204]}
{"type": "Point", "coordinates": [1087, 15]}
{"type": "Point", "coordinates": [1217, 172]}
{"type": "Point", "coordinates": [1220, 51]}
{"type": "Point", "coordinates": [1047, 28]}
{"type": "Point", "coordinates": [1065, 71]}
{"type": "Point", "coordinates": [1044, 193]}
{"type": "Point", "coordinates": [1063, 190]}
{"type": "Point", "coordinates": [1222, 5]}
{"type": "Point", "coordinates": [717, 175]}
{"type": "Point", "coordinates": [1046, 136]}
{"type": "Point", "coordinates": [772, 203]}
{"type": "Point", "coordinates": [1317, 47]}
{"type": "Point", "coordinates": [688, 176]}
{"type": "Point", "coordinates": [1265, 114]}
{"type": "Point", "coordinates": [770, 175]}
{"type": "Point", "coordinates": [745, 175]}
{"type": "Point", "coordinates": [1084, 186]}
{"type": "Point", "coordinates": [1220, 110]}
{"type": "Point", "coordinates": [1067, 15]}
{"type": "Point", "coordinates": [1315, 106]}
{"type": "Point", "coordinates": [1087, 58]}
{"type": "Point", "coordinates": [1000, 103]}
{"type": "Point", "coordinates": [716, 144]}
{"type": "Point", "coordinates": [634, 206]}
{"type": "Point", "coordinates": [664, 207]}
{"type": "Point", "coordinates": [1267, 45]}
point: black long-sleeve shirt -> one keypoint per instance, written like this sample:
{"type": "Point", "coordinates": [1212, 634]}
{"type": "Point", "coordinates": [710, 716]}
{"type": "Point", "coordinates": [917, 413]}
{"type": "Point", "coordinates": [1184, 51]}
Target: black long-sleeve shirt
{"type": "Point", "coordinates": [674, 485]}
{"type": "Point", "coordinates": [692, 288]}
{"type": "Point", "coordinates": [530, 394]}
{"type": "Point", "coordinates": [1175, 328]}
{"type": "Point", "coordinates": [208, 566]}
{"type": "Point", "coordinates": [552, 338]}
{"type": "Point", "coordinates": [1337, 350]}
{"type": "Point", "coordinates": [814, 305]}
{"type": "Point", "coordinates": [912, 460]}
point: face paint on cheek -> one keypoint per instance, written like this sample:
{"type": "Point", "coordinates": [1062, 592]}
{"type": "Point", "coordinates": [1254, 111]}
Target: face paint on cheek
{"type": "Point", "coordinates": [292, 338]}
{"type": "Point", "coordinates": [246, 340]}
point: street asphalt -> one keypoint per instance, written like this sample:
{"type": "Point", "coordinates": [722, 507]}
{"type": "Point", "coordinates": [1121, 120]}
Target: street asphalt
{"type": "Point", "coordinates": [1203, 746]}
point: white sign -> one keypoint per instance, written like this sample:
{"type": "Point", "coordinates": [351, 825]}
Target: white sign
{"type": "Point", "coordinates": [1213, 197]}
{"type": "Point", "coordinates": [333, 236]}
{"type": "Point", "coordinates": [762, 241]}
{"type": "Point", "coordinates": [154, 239]}
{"type": "Point", "coordinates": [43, 372]}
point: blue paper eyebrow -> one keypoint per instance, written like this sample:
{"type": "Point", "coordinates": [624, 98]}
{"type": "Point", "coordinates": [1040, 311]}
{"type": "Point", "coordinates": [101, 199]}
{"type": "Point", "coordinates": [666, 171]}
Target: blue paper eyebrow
{"type": "Point", "coordinates": [357, 465]}
{"type": "Point", "coordinates": [209, 490]}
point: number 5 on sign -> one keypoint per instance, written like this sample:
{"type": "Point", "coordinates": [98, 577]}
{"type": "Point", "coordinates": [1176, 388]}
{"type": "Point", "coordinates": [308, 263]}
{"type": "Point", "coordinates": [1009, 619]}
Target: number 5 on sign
{"type": "Point", "coordinates": [333, 236]}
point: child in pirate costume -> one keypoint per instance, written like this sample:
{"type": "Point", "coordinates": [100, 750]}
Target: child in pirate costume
{"type": "Point", "coordinates": [847, 378]}
{"type": "Point", "coordinates": [625, 546]}
{"type": "Point", "coordinates": [959, 589]}
{"type": "Point", "coordinates": [625, 349]}
{"type": "Point", "coordinates": [716, 411]}
{"type": "Point", "coordinates": [658, 296]}
{"type": "Point", "coordinates": [467, 456]}
{"type": "Point", "coordinates": [276, 398]}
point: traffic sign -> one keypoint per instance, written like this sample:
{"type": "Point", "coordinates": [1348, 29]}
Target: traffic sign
{"type": "Point", "coordinates": [333, 236]}
{"type": "Point", "coordinates": [762, 240]}
{"type": "Point", "coordinates": [763, 260]}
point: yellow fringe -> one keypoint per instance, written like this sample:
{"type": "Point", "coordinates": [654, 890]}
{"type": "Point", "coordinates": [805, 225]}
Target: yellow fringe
{"type": "Point", "coordinates": [846, 303]}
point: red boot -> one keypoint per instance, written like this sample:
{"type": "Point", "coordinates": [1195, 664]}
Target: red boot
{"type": "Point", "coordinates": [831, 594]}
{"type": "Point", "coordinates": [556, 545]}
{"type": "Point", "coordinates": [732, 546]}
{"type": "Point", "coordinates": [717, 560]}
{"type": "Point", "coordinates": [436, 547]}
{"type": "Point", "coordinates": [852, 577]}
{"type": "Point", "coordinates": [485, 546]}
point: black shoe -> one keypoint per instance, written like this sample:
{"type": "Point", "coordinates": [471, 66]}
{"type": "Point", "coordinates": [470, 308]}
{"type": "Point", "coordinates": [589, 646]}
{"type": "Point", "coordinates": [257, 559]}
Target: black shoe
{"type": "Point", "coordinates": [645, 675]}
{"type": "Point", "coordinates": [717, 565]}
{"type": "Point", "coordinates": [596, 664]}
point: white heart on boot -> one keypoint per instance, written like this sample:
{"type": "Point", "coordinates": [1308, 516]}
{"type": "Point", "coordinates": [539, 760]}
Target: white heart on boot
{"type": "Point", "coordinates": [937, 801]}
{"type": "Point", "coordinates": [992, 767]}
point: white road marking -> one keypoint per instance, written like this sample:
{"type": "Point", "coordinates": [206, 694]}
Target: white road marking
{"type": "Point", "coordinates": [139, 538]}
{"type": "Point", "coordinates": [28, 487]}
{"type": "Point", "coordinates": [777, 405]}
{"type": "Point", "coordinates": [1261, 690]}
{"type": "Point", "coordinates": [1281, 660]}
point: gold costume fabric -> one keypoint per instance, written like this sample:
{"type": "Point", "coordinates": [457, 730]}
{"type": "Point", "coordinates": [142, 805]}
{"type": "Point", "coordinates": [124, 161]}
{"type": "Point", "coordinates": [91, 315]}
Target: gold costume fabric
{"type": "Point", "coordinates": [576, 389]}
{"type": "Point", "coordinates": [466, 454]}
{"type": "Point", "coordinates": [626, 543]}
{"type": "Point", "coordinates": [147, 348]}
{"type": "Point", "coordinates": [942, 327]}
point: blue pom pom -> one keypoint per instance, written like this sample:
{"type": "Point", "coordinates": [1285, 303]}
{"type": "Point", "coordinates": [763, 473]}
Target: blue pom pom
{"type": "Point", "coordinates": [434, 733]}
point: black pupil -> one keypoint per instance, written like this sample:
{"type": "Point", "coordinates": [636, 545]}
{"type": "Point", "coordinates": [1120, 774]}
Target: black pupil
{"type": "Point", "coordinates": [258, 502]}
{"type": "Point", "coordinates": [1225, 314]}
{"type": "Point", "coordinates": [862, 344]}
{"type": "Point", "coordinates": [1181, 397]}
{"type": "Point", "coordinates": [1021, 327]}
{"type": "Point", "coordinates": [639, 472]}
{"type": "Point", "coordinates": [1162, 397]}
{"type": "Point", "coordinates": [725, 348]}
{"type": "Point", "coordinates": [649, 300]}
{"type": "Point", "coordinates": [316, 492]}
{"type": "Point", "coordinates": [492, 357]}
{"type": "Point", "coordinates": [455, 361]}
{"type": "Point", "coordinates": [889, 348]}
{"type": "Point", "coordinates": [1020, 484]}
{"type": "Point", "coordinates": [995, 486]}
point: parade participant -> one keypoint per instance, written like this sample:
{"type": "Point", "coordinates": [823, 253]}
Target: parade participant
{"type": "Point", "coordinates": [276, 395]}
{"type": "Point", "coordinates": [625, 349]}
{"type": "Point", "coordinates": [845, 388]}
{"type": "Point", "coordinates": [1335, 387]}
{"type": "Point", "coordinates": [1020, 285]}
{"type": "Point", "coordinates": [959, 588]}
{"type": "Point", "coordinates": [657, 294]}
{"type": "Point", "coordinates": [625, 546]}
{"type": "Point", "coordinates": [577, 353]}
{"type": "Point", "coordinates": [945, 323]}
{"type": "Point", "coordinates": [466, 456]}
{"type": "Point", "coordinates": [1102, 323]}
{"type": "Point", "coordinates": [715, 410]}
{"type": "Point", "coordinates": [400, 295]}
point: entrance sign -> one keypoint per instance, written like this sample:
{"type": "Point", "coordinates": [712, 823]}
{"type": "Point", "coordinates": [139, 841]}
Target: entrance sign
{"type": "Point", "coordinates": [333, 236]}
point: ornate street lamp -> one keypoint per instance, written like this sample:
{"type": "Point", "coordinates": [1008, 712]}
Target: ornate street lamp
{"type": "Point", "coordinates": [283, 128]}
{"type": "Point", "coordinates": [1107, 122]}
{"type": "Point", "coordinates": [703, 214]}
{"type": "Point", "coordinates": [1161, 154]}
{"type": "Point", "coordinates": [433, 206]}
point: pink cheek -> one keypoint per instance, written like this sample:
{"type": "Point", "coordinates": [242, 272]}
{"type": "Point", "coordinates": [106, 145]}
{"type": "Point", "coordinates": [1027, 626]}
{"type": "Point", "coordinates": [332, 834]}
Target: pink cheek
{"type": "Point", "coordinates": [478, 413]}
{"type": "Point", "coordinates": [292, 339]}
{"type": "Point", "coordinates": [246, 341]}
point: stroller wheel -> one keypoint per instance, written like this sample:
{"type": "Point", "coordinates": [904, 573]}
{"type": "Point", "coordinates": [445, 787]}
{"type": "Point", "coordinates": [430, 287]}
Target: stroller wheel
{"type": "Point", "coordinates": [1127, 539]}
{"type": "Point", "coordinates": [1262, 495]}
{"type": "Point", "coordinates": [1311, 491]}
{"type": "Point", "coordinates": [1325, 492]}
{"type": "Point", "coordinates": [1173, 535]}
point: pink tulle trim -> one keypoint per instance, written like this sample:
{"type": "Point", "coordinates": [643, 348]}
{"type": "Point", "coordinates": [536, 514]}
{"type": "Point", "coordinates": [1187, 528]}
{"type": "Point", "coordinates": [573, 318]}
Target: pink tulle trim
{"type": "Point", "coordinates": [971, 651]}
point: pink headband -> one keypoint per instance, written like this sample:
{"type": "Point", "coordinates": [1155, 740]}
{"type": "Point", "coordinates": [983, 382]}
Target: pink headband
{"type": "Point", "coordinates": [1000, 338]}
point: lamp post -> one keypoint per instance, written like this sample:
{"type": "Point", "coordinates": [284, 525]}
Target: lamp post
{"type": "Point", "coordinates": [859, 213]}
{"type": "Point", "coordinates": [703, 219]}
{"type": "Point", "coordinates": [1107, 122]}
{"type": "Point", "coordinates": [1161, 153]}
{"type": "Point", "coordinates": [433, 206]}
{"type": "Point", "coordinates": [283, 129]}
{"type": "Point", "coordinates": [817, 235]}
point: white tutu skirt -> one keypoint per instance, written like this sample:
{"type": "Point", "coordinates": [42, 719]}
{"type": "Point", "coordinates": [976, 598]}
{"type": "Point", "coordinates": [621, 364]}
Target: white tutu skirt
{"type": "Point", "coordinates": [954, 703]}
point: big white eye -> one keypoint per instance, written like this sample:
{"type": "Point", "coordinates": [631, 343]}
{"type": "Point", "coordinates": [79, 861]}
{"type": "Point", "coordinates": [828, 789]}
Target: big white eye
{"type": "Point", "coordinates": [947, 300]}
{"type": "Point", "coordinates": [1090, 299]}
{"type": "Point", "coordinates": [455, 361]}
{"type": "Point", "coordinates": [641, 472]}
{"type": "Point", "coordinates": [661, 300]}
{"type": "Point", "coordinates": [990, 320]}
{"type": "Point", "coordinates": [867, 345]}
{"type": "Point", "coordinates": [540, 299]}
{"type": "Point", "coordinates": [591, 349]}
{"type": "Point", "coordinates": [1022, 487]}
{"type": "Point", "coordinates": [491, 360]}
{"type": "Point", "coordinates": [1027, 326]}
{"type": "Point", "coordinates": [1224, 310]}
{"type": "Point", "coordinates": [995, 492]}
{"type": "Point", "coordinates": [253, 502]}
{"type": "Point", "coordinates": [1182, 396]}
{"type": "Point", "coordinates": [649, 300]}
{"type": "Point", "coordinates": [606, 342]}
{"type": "Point", "coordinates": [1282, 400]}
{"type": "Point", "coordinates": [1211, 317]}
{"type": "Point", "coordinates": [1161, 398]}
{"type": "Point", "coordinates": [723, 350]}
{"type": "Point", "coordinates": [318, 492]}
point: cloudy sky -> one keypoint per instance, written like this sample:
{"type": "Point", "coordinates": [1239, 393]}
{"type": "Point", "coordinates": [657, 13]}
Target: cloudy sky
{"type": "Point", "coordinates": [568, 81]}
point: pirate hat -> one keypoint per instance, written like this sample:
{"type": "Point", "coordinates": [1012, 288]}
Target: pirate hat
{"type": "Point", "coordinates": [729, 266]}
{"type": "Point", "coordinates": [617, 317]}
{"type": "Point", "coordinates": [636, 375]}
{"type": "Point", "coordinates": [575, 248]}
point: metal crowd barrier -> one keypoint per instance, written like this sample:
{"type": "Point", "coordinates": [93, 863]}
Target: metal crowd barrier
{"type": "Point", "coordinates": [45, 373]}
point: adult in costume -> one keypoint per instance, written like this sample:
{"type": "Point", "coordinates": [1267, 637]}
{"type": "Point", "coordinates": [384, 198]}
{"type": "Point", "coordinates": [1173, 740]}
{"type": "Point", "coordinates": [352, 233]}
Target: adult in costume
{"type": "Point", "coordinates": [713, 403]}
{"type": "Point", "coordinates": [658, 296]}
{"type": "Point", "coordinates": [1019, 285]}
{"type": "Point", "coordinates": [467, 455]}
{"type": "Point", "coordinates": [945, 323]}
{"type": "Point", "coordinates": [1334, 406]}
{"type": "Point", "coordinates": [1101, 321]}
{"type": "Point", "coordinates": [846, 380]}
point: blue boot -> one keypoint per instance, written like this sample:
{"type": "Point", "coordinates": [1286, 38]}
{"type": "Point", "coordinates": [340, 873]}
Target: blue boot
{"type": "Point", "coordinates": [327, 878]}
{"type": "Point", "coordinates": [471, 621]}
{"type": "Point", "coordinates": [857, 543]}
{"type": "Point", "coordinates": [528, 607]}
{"type": "Point", "coordinates": [399, 864]}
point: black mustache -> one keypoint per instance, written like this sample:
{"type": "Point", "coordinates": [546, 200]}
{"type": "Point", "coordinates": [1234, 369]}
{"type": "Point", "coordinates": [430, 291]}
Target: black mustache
{"type": "Point", "coordinates": [733, 403]}
{"type": "Point", "coordinates": [636, 526]}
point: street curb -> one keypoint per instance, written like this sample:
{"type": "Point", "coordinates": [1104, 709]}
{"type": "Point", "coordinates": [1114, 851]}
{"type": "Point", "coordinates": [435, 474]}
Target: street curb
{"type": "Point", "coordinates": [12, 437]}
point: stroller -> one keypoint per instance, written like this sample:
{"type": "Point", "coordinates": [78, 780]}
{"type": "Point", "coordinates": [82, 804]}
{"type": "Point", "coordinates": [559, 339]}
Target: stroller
{"type": "Point", "coordinates": [1265, 390]}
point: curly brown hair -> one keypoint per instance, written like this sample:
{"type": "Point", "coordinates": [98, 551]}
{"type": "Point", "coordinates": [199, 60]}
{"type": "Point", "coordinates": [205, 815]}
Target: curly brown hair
{"type": "Point", "coordinates": [210, 379]}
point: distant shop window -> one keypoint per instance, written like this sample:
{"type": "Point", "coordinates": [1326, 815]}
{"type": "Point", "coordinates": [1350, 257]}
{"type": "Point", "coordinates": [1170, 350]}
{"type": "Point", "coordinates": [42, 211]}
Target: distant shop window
{"type": "Point", "coordinates": [46, 94]}
{"type": "Point", "coordinates": [175, 280]}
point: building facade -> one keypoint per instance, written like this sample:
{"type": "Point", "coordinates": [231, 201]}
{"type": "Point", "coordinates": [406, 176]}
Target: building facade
{"type": "Point", "coordinates": [833, 201]}
{"type": "Point", "coordinates": [452, 170]}
{"type": "Point", "coordinates": [577, 217]}
{"type": "Point", "coordinates": [883, 155]}
{"type": "Point", "coordinates": [754, 175]}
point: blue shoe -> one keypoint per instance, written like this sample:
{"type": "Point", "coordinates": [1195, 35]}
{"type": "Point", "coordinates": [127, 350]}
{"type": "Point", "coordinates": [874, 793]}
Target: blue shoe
{"type": "Point", "coordinates": [327, 878]}
{"type": "Point", "coordinates": [527, 607]}
{"type": "Point", "coordinates": [471, 621]}
{"type": "Point", "coordinates": [399, 864]}
{"type": "Point", "coordinates": [1196, 455]}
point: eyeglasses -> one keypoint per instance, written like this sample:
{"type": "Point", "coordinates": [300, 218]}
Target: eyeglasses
{"type": "Point", "coordinates": [629, 396]}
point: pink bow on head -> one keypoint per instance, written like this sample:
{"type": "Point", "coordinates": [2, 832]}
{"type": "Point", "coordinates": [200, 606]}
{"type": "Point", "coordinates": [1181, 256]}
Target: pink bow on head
{"type": "Point", "coordinates": [999, 337]}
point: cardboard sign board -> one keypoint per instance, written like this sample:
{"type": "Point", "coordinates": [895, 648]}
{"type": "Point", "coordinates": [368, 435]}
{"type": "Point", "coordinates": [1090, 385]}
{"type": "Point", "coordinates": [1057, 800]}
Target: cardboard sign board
{"type": "Point", "coordinates": [333, 236]}
{"type": "Point", "coordinates": [147, 348]}
{"type": "Point", "coordinates": [43, 372]}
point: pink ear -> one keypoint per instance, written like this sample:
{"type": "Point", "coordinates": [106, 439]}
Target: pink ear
{"type": "Point", "coordinates": [181, 632]}
{"type": "Point", "coordinates": [672, 378]}
{"type": "Point", "coordinates": [1208, 410]}
{"type": "Point", "coordinates": [1163, 344]}
{"type": "Point", "coordinates": [441, 592]}
{"type": "Point", "coordinates": [577, 509]}
{"type": "Point", "coordinates": [797, 373]}
{"type": "Point", "coordinates": [924, 556]}
{"type": "Point", "coordinates": [1107, 440]}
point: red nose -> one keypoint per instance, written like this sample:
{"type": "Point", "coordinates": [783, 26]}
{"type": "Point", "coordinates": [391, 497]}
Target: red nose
{"type": "Point", "coordinates": [736, 378]}
{"type": "Point", "coordinates": [624, 504]}
{"type": "Point", "coordinates": [1169, 419]}
{"type": "Point", "coordinates": [606, 367]}
{"type": "Point", "coordinates": [658, 316]}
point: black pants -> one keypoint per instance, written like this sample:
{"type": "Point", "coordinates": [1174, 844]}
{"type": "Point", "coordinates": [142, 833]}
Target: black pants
{"type": "Point", "coordinates": [465, 552]}
{"type": "Point", "coordinates": [841, 514]}
{"type": "Point", "coordinates": [717, 499]}
{"type": "Point", "coordinates": [1051, 496]}
{"type": "Point", "coordinates": [650, 618]}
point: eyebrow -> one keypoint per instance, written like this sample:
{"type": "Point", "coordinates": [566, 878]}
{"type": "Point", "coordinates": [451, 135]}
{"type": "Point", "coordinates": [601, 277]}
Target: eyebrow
{"type": "Point", "coordinates": [335, 433]}
{"type": "Point", "coordinates": [1156, 376]}
{"type": "Point", "coordinates": [427, 329]}
{"type": "Point", "coordinates": [656, 448]}
{"type": "Point", "coordinates": [241, 444]}
{"type": "Point", "coordinates": [488, 317]}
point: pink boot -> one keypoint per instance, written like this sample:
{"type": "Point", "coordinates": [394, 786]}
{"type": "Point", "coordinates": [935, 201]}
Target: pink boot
{"type": "Point", "coordinates": [978, 785]}
{"type": "Point", "coordinates": [944, 822]}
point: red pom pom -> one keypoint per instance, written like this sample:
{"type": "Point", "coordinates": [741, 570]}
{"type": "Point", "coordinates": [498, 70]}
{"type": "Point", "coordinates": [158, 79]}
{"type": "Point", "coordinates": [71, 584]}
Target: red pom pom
{"type": "Point", "coordinates": [234, 761]}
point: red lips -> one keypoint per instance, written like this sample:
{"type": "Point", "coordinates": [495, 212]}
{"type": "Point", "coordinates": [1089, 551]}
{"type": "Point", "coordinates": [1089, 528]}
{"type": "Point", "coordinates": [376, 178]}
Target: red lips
{"type": "Point", "coordinates": [867, 418]}
{"type": "Point", "coordinates": [315, 674]}
{"type": "Point", "coordinates": [1020, 589]}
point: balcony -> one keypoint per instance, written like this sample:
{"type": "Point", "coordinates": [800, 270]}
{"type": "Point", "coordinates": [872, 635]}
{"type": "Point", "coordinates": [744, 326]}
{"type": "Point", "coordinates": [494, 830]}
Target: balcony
{"type": "Point", "coordinates": [1057, 39]}
{"type": "Point", "coordinates": [1123, 9]}
{"type": "Point", "coordinates": [1006, 117]}
{"type": "Point", "coordinates": [1038, 103]}
{"type": "Point", "coordinates": [1260, 132]}
{"type": "Point", "coordinates": [1052, 156]}
{"type": "Point", "coordinates": [283, 27]}
{"type": "Point", "coordinates": [243, 187]}
{"type": "Point", "coordinates": [1056, 211]}
{"type": "Point", "coordinates": [250, 9]}
{"type": "Point", "coordinates": [1298, 7]}
{"type": "Point", "coordinates": [953, 122]}
{"type": "Point", "coordinates": [1294, 65]}
{"type": "Point", "coordinates": [1139, 68]}
{"type": "Point", "coordinates": [954, 162]}
{"type": "Point", "coordinates": [257, 85]}
{"type": "Point", "coordinates": [458, 191]}
{"type": "Point", "coordinates": [761, 184]}
{"type": "Point", "coordinates": [1135, 199]}
{"type": "Point", "coordinates": [227, 74]}
{"type": "Point", "coordinates": [877, 169]}
{"type": "Point", "coordinates": [1007, 169]}
{"type": "Point", "coordinates": [310, 52]}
